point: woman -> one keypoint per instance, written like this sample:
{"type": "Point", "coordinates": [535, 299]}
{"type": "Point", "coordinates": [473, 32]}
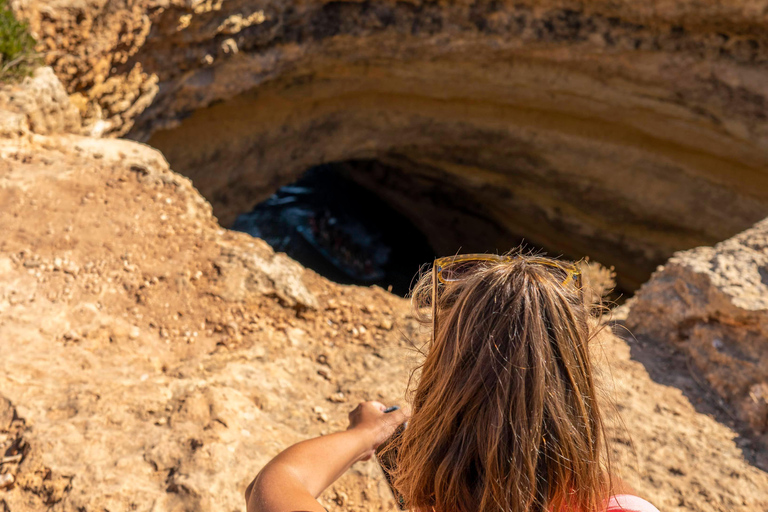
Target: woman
{"type": "Point", "coordinates": [505, 413]}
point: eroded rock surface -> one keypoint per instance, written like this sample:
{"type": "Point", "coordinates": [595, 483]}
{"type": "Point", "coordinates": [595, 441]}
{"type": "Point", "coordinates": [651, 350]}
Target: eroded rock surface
{"type": "Point", "coordinates": [38, 104]}
{"type": "Point", "coordinates": [620, 130]}
{"type": "Point", "coordinates": [712, 303]}
{"type": "Point", "coordinates": [152, 361]}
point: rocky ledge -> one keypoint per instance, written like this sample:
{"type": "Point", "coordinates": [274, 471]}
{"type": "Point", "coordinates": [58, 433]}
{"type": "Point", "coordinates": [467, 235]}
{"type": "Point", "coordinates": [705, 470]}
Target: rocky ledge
{"type": "Point", "coordinates": [623, 130]}
{"type": "Point", "coordinates": [711, 303]}
{"type": "Point", "coordinates": [151, 360]}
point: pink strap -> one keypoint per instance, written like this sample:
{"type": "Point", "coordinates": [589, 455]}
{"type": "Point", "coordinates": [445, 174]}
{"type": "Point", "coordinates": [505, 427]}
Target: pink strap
{"type": "Point", "coordinates": [629, 503]}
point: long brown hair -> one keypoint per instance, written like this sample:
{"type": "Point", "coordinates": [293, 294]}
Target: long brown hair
{"type": "Point", "coordinates": [505, 415]}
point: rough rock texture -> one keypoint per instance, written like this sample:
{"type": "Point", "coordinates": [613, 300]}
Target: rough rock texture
{"type": "Point", "coordinates": [39, 104]}
{"type": "Point", "coordinates": [152, 361]}
{"type": "Point", "coordinates": [712, 304]}
{"type": "Point", "coordinates": [623, 130]}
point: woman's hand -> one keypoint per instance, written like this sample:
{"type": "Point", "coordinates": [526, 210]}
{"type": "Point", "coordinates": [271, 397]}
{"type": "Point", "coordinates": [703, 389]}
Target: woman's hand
{"type": "Point", "coordinates": [376, 426]}
{"type": "Point", "coordinates": [296, 476]}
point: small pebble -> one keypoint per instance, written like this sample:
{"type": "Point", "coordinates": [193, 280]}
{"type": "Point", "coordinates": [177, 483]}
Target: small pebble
{"type": "Point", "coordinates": [6, 480]}
{"type": "Point", "coordinates": [321, 416]}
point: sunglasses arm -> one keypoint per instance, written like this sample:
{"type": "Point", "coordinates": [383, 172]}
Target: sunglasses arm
{"type": "Point", "coordinates": [434, 301]}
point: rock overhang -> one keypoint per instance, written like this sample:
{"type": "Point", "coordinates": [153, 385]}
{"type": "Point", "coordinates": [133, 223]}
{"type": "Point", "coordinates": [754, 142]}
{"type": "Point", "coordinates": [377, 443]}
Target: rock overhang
{"type": "Point", "coordinates": [610, 130]}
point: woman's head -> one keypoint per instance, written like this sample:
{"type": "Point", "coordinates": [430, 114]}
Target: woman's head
{"type": "Point", "coordinates": [504, 413]}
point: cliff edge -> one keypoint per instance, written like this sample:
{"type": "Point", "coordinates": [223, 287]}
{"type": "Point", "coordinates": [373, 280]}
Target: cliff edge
{"type": "Point", "coordinates": [152, 360]}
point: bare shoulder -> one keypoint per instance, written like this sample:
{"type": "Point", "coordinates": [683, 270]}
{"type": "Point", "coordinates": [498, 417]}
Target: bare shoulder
{"type": "Point", "coordinates": [629, 503]}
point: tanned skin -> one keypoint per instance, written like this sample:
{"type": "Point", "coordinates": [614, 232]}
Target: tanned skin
{"type": "Point", "coordinates": [292, 481]}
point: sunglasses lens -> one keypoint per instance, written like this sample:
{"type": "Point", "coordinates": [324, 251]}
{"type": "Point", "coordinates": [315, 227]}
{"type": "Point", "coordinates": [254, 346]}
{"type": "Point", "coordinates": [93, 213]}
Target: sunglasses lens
{"type": "Point", "coordinates": [568, 276]}
{"type": "Point", "coordinates": [448, 271]}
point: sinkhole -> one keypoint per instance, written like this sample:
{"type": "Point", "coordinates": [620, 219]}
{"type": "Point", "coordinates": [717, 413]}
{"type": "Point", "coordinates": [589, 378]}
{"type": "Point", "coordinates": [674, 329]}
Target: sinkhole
{"type": "Point", "coordinates": [340, 229]}
{"type": "Point", "coordinates": [450, 154]}
{"type": "Point", "coordinates": [365, 222]}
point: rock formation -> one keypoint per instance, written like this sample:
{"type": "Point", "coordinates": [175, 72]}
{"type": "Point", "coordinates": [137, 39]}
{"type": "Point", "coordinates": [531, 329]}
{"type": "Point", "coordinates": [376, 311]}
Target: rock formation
{"type": "Point", "coordinates": [712, 304]}
{"type": "Point", "coordinates": [38, 105]}
{"type": "Point", "coordinates": [620, 130]}
{"type": "Point", "coordinates": [151, 360]}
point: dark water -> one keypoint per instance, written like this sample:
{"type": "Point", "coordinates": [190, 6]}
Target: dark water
{"type": "Point", "coordinates": [340, 230]}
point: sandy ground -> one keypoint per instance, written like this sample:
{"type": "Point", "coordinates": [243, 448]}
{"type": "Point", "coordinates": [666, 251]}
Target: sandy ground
{"type": "Point", "coordinates": [150, 360]}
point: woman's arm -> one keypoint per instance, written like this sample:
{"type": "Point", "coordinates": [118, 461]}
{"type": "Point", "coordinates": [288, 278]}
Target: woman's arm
{"type": "Point", "coordinates": [297, 476]}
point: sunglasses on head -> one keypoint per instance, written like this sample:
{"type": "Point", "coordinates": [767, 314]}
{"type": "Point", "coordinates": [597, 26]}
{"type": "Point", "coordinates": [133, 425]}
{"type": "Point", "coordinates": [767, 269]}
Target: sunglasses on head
{"type": "Point", "coordinates": [455, 268]}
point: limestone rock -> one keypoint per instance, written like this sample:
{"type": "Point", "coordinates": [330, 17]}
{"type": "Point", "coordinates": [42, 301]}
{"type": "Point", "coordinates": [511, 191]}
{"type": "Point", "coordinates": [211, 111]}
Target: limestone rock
{"type": "Point", "coordinates": [257, 271]}
{"type": "Point", "coordinates": [712, 303]}
{"type": "Point", "coordinates": [636, 130]}
{"type": "Point", "coordinates": [155, 361]}
{"type": "Point", "coordinates": [100, 236]}
{"type": "Point", "coordinates": [43, 102]}
{"type": "Point", "coordinates": [13, 124]}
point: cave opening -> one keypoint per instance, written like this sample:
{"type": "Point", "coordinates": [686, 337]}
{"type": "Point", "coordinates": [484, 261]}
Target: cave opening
{"type": "Point", "coordinates": [478, 161]}
{"type": "Point", "coordinates": [372, 221]}
{"type": "Point", "coordinates": [480, 144]}
{"type": "Point", "coordinates": [341, 229]}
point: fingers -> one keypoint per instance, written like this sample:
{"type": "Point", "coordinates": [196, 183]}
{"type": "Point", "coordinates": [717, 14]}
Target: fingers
{"type": "Point", "coordinates": [380, 406]}
{"type": "Point", "coordinates": [370, 420]}
{"type": "Point", "coordinates": [375, 411]}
